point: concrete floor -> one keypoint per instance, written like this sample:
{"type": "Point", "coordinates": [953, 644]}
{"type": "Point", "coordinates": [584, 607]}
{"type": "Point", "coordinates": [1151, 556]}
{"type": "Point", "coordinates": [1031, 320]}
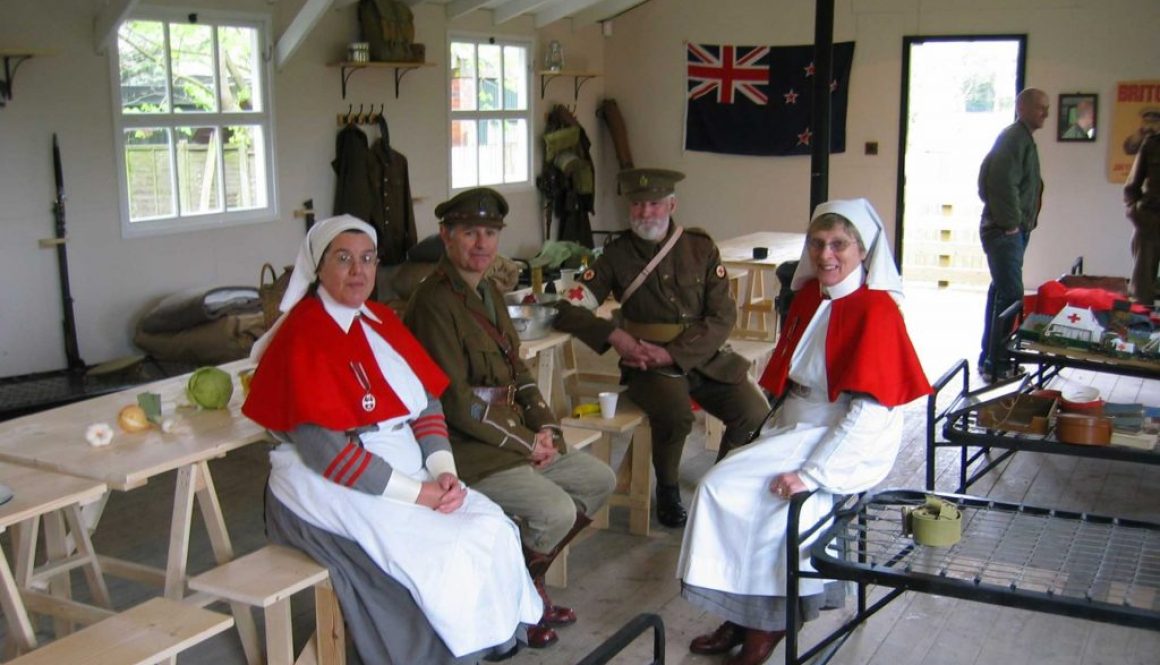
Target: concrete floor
{"type": "Point", "coordinates": [615, 576]}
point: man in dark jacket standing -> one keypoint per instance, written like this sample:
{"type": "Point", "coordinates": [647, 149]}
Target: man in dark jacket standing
{"type": "Point", "coordinates": [1011, 189]}
{"type": "Point", "coordinates": [506, 441]}
{"type": "Point", "coordinates": [677, 316]}
{"type": "Point", "coordinates": [1142, 196]}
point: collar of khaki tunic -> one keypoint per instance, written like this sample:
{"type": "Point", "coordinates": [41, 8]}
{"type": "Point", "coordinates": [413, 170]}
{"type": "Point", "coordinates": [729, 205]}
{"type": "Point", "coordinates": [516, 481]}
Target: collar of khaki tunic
{"type": "Point", "coordinates": [343, 315]}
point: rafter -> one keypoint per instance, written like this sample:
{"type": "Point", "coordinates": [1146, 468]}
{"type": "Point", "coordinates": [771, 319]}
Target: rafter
{"type": "Point", "coordinates": [516, 8]}
{"type": "Point", "coordinates": [299, 29]}
{"type": "Point", "coordinates": [562, 9]}
{"type": "Point", "coordinates": [457, 8]}
{"type": "Point", "coordinates": [108, 20]}
{"type": "Point", "coordinates": [603, 11]}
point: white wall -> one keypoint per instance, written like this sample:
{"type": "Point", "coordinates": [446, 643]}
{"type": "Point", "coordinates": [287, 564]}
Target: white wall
{"type": "Point", "coordinates": [1072, 46]}
{"type": "Point", "coordinates": [113, 279]}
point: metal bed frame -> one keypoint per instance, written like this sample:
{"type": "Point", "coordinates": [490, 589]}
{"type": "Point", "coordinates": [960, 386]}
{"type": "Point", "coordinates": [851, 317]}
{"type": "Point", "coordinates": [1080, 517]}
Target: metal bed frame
{"type": "Point", "coordinates": [1073, 564]}
{"type": "Point", "coordinates": [961, 430]}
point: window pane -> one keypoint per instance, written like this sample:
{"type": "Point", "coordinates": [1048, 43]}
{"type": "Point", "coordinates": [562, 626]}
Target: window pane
{"type": "Point", "coordinates": [490, 152]}
{"type": "Point", "coordinates": [489, 77]}
{"type": "Point", "coordinates": [191, 54]}
{"type": "Point", "coordinates": [148, 173]}
{"type": "Point", "coordinates": [141, 58]}
{"type": "Point", "coordinates": [462, 76]}
{"type": "Point", "coordinates": [244, 154]}
{"type": "Point", "coordinates": [197, 170]}
{"type": "Point", "coordinates": [463, 162]}
{"type": "Point", "coordinates": [515, 78]}
{"type": "Point", "coordinates": [515, 157]}
{"type": "Point", "coordinates": [238, 57]}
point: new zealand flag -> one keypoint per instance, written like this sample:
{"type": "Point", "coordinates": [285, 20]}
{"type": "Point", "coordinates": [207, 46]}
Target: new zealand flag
{"type": "Point", "coordinates": [758, 100]}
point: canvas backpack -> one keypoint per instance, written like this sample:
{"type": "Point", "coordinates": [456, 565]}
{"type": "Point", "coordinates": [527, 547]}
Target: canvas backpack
{"type": "Point", "coordinates": [389, 27]}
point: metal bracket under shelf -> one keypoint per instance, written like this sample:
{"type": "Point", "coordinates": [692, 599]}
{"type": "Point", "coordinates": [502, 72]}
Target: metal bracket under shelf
{"type": "Point", "coordinates": [12, 63]}
{"type": "Point", "coordinates": [578, 81]}
{"type": "Point", "coordinates": [401, 70]}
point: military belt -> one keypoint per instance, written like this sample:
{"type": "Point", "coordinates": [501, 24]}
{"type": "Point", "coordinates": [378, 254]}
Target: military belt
{"type": "Point", "coordinates": [496, 395]}
{"type": "Point", "coordinates": [662, 333]}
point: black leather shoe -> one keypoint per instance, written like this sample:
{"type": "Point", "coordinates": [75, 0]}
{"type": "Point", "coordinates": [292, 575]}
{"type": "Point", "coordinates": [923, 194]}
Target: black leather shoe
{"type": "Point", "coordinates": [727, 636]}
{"type": "Point", "coordinates": [670, 510]}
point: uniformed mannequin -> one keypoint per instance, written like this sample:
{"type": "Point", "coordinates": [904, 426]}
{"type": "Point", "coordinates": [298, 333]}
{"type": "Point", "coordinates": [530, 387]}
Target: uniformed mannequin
{"type": "Point", "coordinates": [676, 324]}
{"type": "Point", "coordinates": [506, 440]}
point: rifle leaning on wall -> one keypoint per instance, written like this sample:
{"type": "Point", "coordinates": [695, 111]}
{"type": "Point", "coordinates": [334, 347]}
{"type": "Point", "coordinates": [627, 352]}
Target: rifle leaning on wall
{"type": "Point", "coordinates": [71, 348]}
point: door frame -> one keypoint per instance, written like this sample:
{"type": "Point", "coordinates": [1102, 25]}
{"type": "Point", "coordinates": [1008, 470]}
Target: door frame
{"type": "Point", "coordinates": [904, 105]}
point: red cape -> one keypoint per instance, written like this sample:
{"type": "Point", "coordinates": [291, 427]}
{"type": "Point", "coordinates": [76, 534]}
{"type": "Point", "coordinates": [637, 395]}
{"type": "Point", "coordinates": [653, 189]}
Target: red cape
{"type": "Point", "coordinates": [305, 375]}
{"type": "Point", "coordinates": [867, 348]}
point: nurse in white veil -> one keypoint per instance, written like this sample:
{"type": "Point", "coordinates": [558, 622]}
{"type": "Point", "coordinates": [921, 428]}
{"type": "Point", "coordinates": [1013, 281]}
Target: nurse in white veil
{"type": "Point", "coordinates": [844, 363]}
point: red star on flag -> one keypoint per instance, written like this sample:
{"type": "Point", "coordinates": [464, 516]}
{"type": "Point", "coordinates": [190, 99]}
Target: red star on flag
{"type": "Point", "coordinates": [576, 293]}
{"type": "Point", "coordinates": [790, 97]}
{"type": "Point", "coordinates": [804, 137]}
{"type": "Point", "coordinates": [809, 70]}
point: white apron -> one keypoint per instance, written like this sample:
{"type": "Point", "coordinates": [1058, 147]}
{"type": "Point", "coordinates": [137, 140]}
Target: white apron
{"type": "Point", "coordinates": [735, 539]}
{"type": "Point", "coordinates": [465, 569]}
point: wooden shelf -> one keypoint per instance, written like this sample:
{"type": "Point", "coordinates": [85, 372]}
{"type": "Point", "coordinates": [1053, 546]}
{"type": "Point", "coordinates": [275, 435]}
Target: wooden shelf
{"type": "Point", "coordinates": [401, 69]}
{"type": "Point", "coordinates": [578, 79]}
{"type": "Point", "coordinates": [13, 58]}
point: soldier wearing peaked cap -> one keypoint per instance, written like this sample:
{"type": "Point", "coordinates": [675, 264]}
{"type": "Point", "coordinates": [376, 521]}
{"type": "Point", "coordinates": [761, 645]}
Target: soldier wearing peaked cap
{"type": "Point", "coordinates": [678, 313]}
{"type": "Point", "coordinates": [506, 441]}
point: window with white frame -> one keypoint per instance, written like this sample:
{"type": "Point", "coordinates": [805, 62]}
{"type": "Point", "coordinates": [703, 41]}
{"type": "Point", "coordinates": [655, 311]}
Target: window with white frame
{"type": "Point", "coordinates": [193, 122]}
{"type": "Point", "coordinates": [490, 112]}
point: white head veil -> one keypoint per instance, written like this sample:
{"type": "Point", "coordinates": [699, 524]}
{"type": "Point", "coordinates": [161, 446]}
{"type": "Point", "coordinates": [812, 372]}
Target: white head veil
{"type": "Point", "coordinates": [317, 239]}
{"type": "Point", "coordinates": [881, 274]}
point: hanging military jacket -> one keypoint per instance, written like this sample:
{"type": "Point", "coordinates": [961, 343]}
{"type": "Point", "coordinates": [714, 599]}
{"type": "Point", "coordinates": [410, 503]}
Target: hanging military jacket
{"type": "Point", "coordinates": [373, 184]}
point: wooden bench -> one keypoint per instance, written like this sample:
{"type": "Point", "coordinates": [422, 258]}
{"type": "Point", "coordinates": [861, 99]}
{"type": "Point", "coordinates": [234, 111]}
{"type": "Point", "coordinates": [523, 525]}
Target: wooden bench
{"type": "Point", "coordinates": [574, 439]}
{"type": "Point", "coordinates": [267, 578]}
{"type": "Point", "coordinates": [152, 632]}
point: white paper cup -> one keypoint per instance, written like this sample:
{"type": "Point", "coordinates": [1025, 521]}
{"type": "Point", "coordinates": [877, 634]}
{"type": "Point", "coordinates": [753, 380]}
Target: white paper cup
{"type": "Point", "coordinates": [608, 404]}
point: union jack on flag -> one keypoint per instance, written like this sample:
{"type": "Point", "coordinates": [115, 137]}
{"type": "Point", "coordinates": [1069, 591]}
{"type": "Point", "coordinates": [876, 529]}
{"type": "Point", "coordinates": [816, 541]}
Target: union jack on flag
{"type": "Point", "coordinates": [728, 71]}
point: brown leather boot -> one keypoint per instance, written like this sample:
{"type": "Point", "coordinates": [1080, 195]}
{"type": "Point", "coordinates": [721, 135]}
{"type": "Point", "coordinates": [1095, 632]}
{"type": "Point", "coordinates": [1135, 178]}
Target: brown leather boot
{"type": "Point", "coordinates": [538, 564]}
{"type": "Point", "coordinates": [727, 636]}
{"type": "Point", "coordinates": [757, 647]}
{"type": "Point", "coordinates": [541, 636]}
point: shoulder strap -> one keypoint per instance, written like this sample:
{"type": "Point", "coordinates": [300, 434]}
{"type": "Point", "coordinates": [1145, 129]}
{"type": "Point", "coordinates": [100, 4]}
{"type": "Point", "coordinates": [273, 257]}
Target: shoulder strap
{"type": "Point", "coordinates": [509, 352]}
{"type": "Point", "coordinates": [639, 280]}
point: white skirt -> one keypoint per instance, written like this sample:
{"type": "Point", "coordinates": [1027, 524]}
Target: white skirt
{"type": "Point", "coordinates": [465, 570]}
{"type": "Point", "coordinates": [735, 540]}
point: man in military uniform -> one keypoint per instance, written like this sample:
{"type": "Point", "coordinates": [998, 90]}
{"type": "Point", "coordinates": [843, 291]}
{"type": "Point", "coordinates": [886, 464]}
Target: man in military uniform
{"type": "Point", "coordinates": [506, 440]}
{"type": "Point", "coordinates": [1142, 196]}
{"type": "Point", "coordinates": [677, 315]}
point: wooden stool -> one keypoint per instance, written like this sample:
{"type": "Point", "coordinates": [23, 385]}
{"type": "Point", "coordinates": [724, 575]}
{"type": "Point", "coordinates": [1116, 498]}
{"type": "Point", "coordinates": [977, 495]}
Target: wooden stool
{"type": "Point", "coordinates": [267, 578]}
{"type": "Point", "coordinates": [633, 477]}
{"type": "Point", "coordinates": [151, 632]}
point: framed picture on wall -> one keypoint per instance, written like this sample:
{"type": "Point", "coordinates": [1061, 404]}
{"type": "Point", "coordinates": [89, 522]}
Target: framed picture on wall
{"type": "Point", "coordinates": [1077, 116]}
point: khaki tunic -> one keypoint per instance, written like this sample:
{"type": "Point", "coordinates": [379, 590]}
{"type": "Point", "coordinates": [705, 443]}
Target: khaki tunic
{"type": "Point", "coordinates": [485, 438]}
{"type": "Point", "coordinates": [689, 287]}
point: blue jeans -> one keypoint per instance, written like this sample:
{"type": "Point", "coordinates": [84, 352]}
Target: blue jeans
{"type": "Point", "coordinates": [1005, 261]}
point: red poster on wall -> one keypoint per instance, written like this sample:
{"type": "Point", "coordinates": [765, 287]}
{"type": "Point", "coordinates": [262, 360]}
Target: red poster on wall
{"type": "Point", "coordinates": [1136, 114]}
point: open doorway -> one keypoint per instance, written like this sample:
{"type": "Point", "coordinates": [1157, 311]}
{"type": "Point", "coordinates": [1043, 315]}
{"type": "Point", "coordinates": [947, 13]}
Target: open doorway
{"type": "Point", "coordinates": [958, 93]}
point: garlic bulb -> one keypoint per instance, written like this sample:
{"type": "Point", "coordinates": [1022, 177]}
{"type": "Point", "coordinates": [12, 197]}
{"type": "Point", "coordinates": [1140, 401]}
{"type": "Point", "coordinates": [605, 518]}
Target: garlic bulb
{"type": "Point", "coordinates": [99, 434]}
